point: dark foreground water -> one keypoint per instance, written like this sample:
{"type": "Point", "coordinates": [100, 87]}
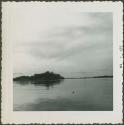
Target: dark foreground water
{"type": "Point", "coordinates": [94, 94]}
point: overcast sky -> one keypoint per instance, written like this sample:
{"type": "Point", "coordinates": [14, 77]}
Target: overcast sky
{"type": "Point", "coordinates": [59, 40]}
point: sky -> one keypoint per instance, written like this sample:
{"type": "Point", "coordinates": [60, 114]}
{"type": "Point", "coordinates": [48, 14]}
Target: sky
{"type": "Point", "coordinates": [72, 43]}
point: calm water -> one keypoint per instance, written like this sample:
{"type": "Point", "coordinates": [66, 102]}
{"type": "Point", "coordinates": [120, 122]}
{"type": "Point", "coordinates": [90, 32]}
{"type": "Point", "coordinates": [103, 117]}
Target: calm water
{"type": "Point", "coordinates": [67, 95]}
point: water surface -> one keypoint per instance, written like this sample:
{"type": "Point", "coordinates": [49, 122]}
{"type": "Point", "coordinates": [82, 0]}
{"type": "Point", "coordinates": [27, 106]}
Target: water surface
{"type": "Point", "coordinates": [94, 94]}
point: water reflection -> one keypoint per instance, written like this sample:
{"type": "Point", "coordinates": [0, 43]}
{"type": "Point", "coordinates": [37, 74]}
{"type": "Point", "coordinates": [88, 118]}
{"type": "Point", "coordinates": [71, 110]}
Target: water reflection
{"type": "Point", "coordinates": [47, 83]}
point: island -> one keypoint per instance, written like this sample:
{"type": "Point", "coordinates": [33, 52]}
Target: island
{"type": "Point", "coordinates": [42, 76]}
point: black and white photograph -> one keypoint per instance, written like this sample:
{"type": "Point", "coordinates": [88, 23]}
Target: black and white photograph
{"type": "Point", "coordinates": [62, 57]}
{"type": "Point", "coordinates": [63, 62]}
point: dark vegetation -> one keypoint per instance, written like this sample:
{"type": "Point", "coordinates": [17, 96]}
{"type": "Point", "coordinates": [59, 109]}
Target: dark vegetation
{"type": "Point", "coordinates": [47, 76]}
{"type": "Point", "coordinates": [48, 79]}
{"type": "Point", "coordinates": [43, 76]}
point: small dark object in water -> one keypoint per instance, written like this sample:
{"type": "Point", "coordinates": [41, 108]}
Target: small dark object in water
{"type": "Point", "coordinates": [73, 92]}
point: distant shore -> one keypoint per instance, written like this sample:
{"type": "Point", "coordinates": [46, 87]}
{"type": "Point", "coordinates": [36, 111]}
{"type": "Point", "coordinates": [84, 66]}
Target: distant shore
{"type": "Point", "coordinates": [53, 76]}
{"type": "Point", "coordinates": [91, 77]}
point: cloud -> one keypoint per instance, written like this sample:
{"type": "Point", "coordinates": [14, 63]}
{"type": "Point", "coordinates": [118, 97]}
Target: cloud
{"type": "Point", "coordinates": [71, 42]}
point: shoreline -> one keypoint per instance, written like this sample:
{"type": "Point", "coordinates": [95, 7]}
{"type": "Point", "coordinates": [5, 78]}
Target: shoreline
{"type": "Point", "coordinates": [71, 78]}
{"type": "Point", "coordinates": [91, 77]}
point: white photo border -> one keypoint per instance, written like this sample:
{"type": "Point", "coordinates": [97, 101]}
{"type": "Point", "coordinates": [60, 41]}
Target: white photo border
{"type": "Point", "coordinates": [73, 117]}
